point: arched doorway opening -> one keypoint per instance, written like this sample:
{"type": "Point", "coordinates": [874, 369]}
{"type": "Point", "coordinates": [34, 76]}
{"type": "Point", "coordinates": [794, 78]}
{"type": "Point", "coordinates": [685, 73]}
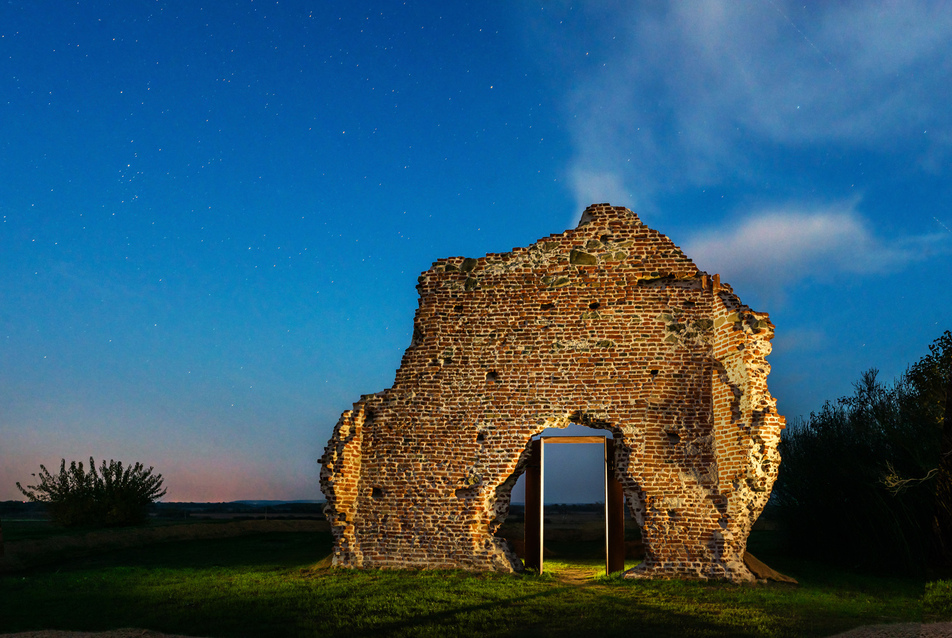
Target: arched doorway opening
{"type": "Point", "coordinates": [535, 497]}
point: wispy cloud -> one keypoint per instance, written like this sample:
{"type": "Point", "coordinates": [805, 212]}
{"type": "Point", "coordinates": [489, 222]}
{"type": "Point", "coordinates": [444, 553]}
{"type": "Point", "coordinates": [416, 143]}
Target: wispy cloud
{"type": "Point", "coordinates": [772, 248]}
{"type": "Point", "coordinates": [800, 339]}
{"type": "Point", "coordinates": [592, 187]}
{"type": "Point", "coordinates": [694, 93]}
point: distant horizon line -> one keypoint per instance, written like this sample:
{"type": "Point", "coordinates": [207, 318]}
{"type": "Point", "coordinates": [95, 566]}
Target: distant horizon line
{"type": "Point", "coordinates": [315, 501]}
{"type": "Point", "coordinates": [267, 502]}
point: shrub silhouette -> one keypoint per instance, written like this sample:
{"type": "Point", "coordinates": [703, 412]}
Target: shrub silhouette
{"type": "Point", "coordinates": [113, 496]}
{"type": "Point", "coordinates": [857, 481]}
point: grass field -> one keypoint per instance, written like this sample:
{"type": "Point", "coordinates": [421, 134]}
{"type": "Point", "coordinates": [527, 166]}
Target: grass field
{"type": "Point", "coordinates": [19, 530]}
{"type": "Point", "coordinates": [267, 585]}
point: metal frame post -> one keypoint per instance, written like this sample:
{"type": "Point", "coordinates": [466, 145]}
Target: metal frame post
{"type": "Point", "coordinates": [533, 515]}
{"type": "Point", "coordinates": [614, 514]}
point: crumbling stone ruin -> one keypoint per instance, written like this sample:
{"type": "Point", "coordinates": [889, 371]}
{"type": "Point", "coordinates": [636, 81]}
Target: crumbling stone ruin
{"type": "Point", "coordinates": [608, 325]}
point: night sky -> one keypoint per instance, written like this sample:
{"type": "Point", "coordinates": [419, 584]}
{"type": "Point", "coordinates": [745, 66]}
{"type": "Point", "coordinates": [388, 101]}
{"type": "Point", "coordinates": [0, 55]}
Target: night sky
{"type": "Point", "coordinates": [213, 216]}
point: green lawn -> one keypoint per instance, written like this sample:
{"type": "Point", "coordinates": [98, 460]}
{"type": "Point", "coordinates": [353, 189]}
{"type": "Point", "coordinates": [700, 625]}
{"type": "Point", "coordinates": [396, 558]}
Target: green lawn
{"type": "Point", "coordinates": [265, 585]}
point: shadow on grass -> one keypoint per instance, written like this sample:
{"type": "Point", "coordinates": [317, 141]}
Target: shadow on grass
{"type": "Point", "coordinates": [553, 611]}
{"type": "Point", "coordinates": [266, 586]}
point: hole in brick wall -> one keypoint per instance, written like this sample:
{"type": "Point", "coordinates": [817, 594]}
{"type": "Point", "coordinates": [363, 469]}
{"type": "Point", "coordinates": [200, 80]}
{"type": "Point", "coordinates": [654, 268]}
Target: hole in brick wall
{"type": "Point", "coordinates": [574, 492]}
{"type": "Point", "coordinates": [492, 376]}
{"type": "Point", "coordinates": [594, 305]}
{"type": "Point", "coordinates": [605, 238]}
{"type": "Point", "coordinates": [574, 507]}
{"type": "Point", "coordinates": [458, 308]}
{"type": "Point", "coordinates": [376, 492]}
{"type": "Point", "coordinates": [673, 438]}
{"type": "Point", "coordinates": [480, 437]}
{"type": "Point", "coordinates": [654, 373]}
{"type": "Point", "coordinates": [547, 306]}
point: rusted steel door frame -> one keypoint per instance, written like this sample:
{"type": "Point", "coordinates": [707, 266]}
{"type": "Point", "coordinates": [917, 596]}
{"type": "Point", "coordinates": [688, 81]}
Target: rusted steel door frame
{"type": "Point", "coordinates": [533, 526]}
{"type": "Point", "coordinates": [614, 503]}
{"type": "Point", "coordinates": [614, 514]}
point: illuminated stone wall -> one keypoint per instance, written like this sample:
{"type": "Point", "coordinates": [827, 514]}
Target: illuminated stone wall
{"type": "Point", "coordinates": [609, 325]}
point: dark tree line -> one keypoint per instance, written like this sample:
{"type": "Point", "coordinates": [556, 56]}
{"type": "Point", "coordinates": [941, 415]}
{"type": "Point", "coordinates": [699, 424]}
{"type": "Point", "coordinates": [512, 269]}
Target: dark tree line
{"type": "Point", "coordinates": [867, 481]}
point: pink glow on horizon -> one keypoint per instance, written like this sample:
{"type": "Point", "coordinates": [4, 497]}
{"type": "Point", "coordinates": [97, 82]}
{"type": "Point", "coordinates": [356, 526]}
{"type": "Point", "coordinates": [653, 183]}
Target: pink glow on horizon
{"type": "Point", "coordinates": [188, 479]}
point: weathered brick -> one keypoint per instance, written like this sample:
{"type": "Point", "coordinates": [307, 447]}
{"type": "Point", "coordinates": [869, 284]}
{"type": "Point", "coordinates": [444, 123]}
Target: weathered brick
{"type": "Point", "coordinates": [609, 325]}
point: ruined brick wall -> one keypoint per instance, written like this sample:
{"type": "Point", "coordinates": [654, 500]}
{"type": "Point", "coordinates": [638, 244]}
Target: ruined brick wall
{"type": "Point", "coordinates": [609, 325]}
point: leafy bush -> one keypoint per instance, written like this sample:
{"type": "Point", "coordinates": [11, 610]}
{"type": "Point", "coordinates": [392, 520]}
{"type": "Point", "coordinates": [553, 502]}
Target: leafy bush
{"type": "Point", "coordinates": [858, 479]}
{"type": "Point", "coordinates": [937, 600]}
{"type": "Point", "coordinates": [110, 497]}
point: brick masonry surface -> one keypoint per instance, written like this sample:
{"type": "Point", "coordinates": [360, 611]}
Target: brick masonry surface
{"type": "Point", "coordinates": [608, 325]}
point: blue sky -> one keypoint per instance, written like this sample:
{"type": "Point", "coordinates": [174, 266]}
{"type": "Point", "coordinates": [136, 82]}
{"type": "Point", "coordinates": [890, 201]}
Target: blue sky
{"type": "Point", "coordinates": [212, 217]}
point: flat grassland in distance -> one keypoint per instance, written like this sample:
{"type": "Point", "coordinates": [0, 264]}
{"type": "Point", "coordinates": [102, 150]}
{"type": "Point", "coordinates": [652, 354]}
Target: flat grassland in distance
{"type": "Point", "coordinates": [273, 584]}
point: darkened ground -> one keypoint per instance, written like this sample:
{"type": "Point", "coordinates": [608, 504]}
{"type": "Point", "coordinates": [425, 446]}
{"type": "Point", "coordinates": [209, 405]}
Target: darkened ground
{"type": "Point", "coordinates": [266, 583]}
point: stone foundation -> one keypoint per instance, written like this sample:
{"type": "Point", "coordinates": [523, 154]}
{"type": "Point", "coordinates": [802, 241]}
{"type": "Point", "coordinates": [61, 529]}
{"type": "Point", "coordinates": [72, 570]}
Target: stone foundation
{"type": "Point", "coordinates": [608, 325]}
